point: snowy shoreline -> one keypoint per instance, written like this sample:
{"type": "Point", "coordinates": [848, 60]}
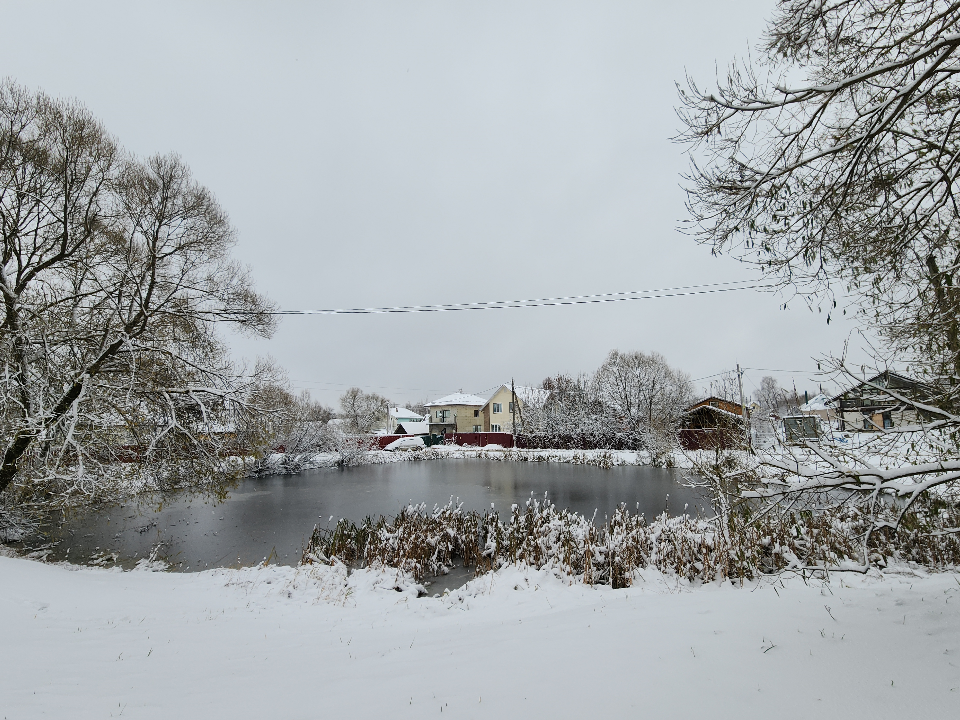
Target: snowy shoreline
{"type": "Point", "coordinates": [314, 641]}
{"type": "Point", "coordinates": [290, 463]}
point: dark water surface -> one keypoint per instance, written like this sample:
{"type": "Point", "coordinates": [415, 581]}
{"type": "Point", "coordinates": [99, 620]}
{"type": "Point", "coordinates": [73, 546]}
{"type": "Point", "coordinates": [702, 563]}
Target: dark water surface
{"type": "Point", "coordinates": [272, 517]}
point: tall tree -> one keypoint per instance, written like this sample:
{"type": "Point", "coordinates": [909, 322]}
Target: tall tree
{"type": "Point", "coordinates": [364, 412]}
{"type": "Point", "coordinates": [114, 272]}
{"type": "Point", "coordinates": [643, 390]}
{"type": "Point", "coordinates": [832, 164]}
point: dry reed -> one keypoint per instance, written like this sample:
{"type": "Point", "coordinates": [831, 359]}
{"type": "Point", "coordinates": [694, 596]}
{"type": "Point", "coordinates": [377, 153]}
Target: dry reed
{"type": "Point", "coordinates": [428, 542]}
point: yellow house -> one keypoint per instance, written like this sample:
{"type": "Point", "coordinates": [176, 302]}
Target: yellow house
{"type": "Point", "coordinates": [456, 413]}
{"type": "Point", "coordinates": [499, 411]}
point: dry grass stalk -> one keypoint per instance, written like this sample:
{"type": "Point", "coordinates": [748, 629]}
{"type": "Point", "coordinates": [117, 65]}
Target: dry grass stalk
{"type": "Point", "coordinates": [421, 542]}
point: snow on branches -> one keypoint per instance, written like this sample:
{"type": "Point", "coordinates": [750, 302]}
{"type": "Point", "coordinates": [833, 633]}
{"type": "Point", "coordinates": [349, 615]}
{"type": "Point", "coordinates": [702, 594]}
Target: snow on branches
{"type": "Point", "coordinates": [113, 271]}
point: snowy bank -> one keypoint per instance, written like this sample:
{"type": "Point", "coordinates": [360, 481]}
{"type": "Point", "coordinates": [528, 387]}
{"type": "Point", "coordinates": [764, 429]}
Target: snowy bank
{"type": "Point", "coordinates": [286, 463]}
{"type": "Point", "coordinates": [315, 642]}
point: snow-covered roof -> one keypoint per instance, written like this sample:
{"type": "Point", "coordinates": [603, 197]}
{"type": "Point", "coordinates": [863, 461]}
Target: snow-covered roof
{"type": "Point", "coordinates": [402, 412]}
{"type": "Point", "coordinates": [413, 428]}
{"type": "Point", "coordinates": [819, 402]}
{"type": "Point", "coordinates": [458, 399]}
{"type": "Point", "coordinates": [707, 399]}
{"type": "Point", "coordinates": [713, 409]}
{"type": "Point", "coordinates": [886, 379]}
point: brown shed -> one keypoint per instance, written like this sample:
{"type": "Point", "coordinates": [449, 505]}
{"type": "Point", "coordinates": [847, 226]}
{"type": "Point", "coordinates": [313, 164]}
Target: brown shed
{"type": "Point", "coordinates": [712, 423]}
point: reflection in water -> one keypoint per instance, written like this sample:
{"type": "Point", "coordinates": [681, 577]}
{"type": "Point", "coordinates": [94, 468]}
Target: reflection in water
{"type": "Point", "coordinates": [272, 517]}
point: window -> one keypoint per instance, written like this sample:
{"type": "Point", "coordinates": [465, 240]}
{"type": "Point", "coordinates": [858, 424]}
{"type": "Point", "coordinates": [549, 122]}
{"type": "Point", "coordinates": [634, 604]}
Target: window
{"type": "Point", "coordinates": [510, 409]}
{"type": "Point", "coordinates": [867, 425]}
{"type": "Point", "coordinates": [887, 421]}
{"type": "Point", "coordinates": [498, 407]}
{"type": "Point", "coordinates": [476, 413]}
{"type": "Point", "coordinates": [478, 428]}
{"type": "Point", "coordinates": [494, 428]}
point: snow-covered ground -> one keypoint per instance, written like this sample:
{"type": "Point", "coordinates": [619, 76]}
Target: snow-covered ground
{"type": "Point", "coordinates": [312, 642]}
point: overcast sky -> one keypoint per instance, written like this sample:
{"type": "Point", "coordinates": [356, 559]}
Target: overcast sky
{"type": "Point", "coordinates": [400, 153]}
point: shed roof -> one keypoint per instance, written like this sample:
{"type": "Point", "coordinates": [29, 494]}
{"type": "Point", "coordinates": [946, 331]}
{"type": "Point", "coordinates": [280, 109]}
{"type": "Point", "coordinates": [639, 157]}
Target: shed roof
{"type": "Point", "coordinates": [705, 402]}
{"type": "Point", "coordinates": [402, 412]}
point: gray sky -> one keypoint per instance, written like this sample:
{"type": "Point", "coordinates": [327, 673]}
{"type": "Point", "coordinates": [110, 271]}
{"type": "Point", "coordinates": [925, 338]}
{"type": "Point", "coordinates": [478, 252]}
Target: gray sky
{"type": "Point", "coordinates": [380, 154]}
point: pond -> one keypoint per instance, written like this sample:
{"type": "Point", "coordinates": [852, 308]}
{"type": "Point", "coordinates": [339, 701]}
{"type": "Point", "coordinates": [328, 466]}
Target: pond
{"type": "Point", "coordinates": [272, 517]}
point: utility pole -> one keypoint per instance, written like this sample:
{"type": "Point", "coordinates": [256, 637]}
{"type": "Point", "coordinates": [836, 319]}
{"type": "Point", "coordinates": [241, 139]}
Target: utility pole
{"type": "Point", "coordinates": [513, 410]}
{"type": "Point", "coordinates": [743, 406]}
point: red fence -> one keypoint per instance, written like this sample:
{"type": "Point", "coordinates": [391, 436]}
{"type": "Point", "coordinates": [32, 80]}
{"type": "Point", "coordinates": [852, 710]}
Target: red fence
{"type": "Point", "coordinates": [481, 439]}
{"type": "Point", "coordinates": [371, 442]}
{"type": "Point", "coordinates": [384, 440]}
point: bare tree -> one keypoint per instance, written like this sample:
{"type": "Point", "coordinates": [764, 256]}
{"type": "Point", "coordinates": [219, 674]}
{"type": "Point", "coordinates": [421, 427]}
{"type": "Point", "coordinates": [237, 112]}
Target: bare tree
{"type": "Point", "coordinates": [726, 385]}
{"type": "Point", "coordinates": [645, 392]}
{"type": "Point", "coordinates": [114, 272]}
{"type": "Point", "coordinates": [833, 165]}
{"type": "Point", "coordinates": [774, 399]}
{"type": "Point", "coordinates": [633, 401]}
{"type": "Point", "coordinates": [363, 412]}
{"type": "Point", "coordinates": [419, 407]}
{"type": "Point", "coordinates": [571, 413]}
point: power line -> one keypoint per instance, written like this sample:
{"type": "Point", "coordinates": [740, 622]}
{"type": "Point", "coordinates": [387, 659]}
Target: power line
{"type": "Point", "coordinates": [733, 372]}
{"type": "Point", "coordinates": [679, 291]}
{"type": "Point", "coordinates": [707, 377]}
{"type": "Point", "coordinates": [799, 372]}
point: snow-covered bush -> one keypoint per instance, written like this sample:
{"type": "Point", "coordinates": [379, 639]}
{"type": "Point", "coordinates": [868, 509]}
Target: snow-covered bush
{"type": "Point", "coordinates": [421, 542]}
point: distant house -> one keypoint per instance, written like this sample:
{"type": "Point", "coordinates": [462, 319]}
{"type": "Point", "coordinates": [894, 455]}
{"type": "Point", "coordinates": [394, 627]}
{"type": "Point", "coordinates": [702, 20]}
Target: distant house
{"type": "Point", "coordinates": [710, 423]}
{"type": "Point", "coordinates": [456, 413]}
{"type": "Point", "coordinates": [400, 415]}
{"type": "Point", "coordinates": [498, 412]}
{"type": "Point", "coordinates": [866, 407]}
{"type": "Point", "coordinates": [465, 413]}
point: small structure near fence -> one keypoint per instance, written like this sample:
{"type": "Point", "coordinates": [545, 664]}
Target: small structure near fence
{"type": "Point", "coordinates": [712, 423]}
{"type": "Point", "coordinates": [799, 428]}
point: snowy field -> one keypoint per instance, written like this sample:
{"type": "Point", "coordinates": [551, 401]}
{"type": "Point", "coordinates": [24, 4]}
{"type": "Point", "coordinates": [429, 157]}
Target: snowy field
{"type": "Point", "coordinates": [283, 642]}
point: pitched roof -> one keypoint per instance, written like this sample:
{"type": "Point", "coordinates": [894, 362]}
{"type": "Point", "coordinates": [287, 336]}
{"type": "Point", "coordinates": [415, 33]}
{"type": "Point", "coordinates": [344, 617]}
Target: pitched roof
{"type": "Point", "coordinates": [886, 379]}
{"type": "Point", "coordinates": [705, 402]}
{"type": "Point", "coordinates": [402, 412]}
{"type": "Point", "coordinates": [712, 408]}
{"type": "Point", "coordinates": [819, 402]}
{"type": "Point", "coordinates": [527, 395]}
{"type": "Point", "coordinates": [458, 399]}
